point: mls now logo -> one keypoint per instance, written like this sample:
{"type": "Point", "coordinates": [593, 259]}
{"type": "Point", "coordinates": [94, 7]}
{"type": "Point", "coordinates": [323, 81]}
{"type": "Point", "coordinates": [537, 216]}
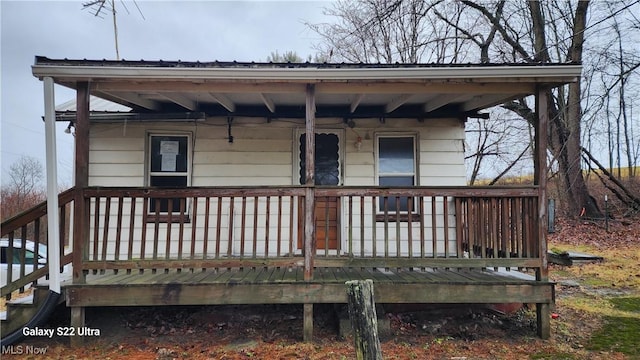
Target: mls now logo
{"type": "Point", "coordinates": [23, 350]}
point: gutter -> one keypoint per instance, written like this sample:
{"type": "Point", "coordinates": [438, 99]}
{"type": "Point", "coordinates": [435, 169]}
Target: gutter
{"type": "Point", "coordinates": [547, 73]}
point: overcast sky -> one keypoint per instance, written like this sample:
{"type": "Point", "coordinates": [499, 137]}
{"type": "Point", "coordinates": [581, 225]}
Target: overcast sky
{"type": "Point", "coordinates": [170, 30]}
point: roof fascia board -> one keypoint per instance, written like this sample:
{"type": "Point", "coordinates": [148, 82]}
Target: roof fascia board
{"type": "Point", "coordinates": [546, 73]}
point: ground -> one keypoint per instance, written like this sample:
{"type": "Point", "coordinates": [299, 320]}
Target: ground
{"type": "Point", "coordinates": [597, 316]}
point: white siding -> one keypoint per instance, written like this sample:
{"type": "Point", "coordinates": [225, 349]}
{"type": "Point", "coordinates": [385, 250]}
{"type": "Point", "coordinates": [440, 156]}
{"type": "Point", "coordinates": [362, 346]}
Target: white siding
{"type": "Point", "coordinates": [266, 154]}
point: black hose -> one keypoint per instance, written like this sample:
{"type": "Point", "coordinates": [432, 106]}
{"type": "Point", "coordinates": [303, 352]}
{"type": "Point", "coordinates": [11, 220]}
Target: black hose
{"type": "Point", "coordinates": [42, 315]}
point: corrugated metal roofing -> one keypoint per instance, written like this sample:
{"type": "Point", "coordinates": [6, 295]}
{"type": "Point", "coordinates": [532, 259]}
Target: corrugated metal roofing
{"type": "Point", "coordinates": [95, 104]}
{"type": "Point", "coordinates": [42, 60]}
{"type": "Point", "coordinates": [271, 90]}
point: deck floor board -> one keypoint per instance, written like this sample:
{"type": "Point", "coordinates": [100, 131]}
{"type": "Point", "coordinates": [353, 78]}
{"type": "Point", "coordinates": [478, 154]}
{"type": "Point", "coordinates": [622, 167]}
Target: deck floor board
{"type": "Point", "coordinates": [287, 285]}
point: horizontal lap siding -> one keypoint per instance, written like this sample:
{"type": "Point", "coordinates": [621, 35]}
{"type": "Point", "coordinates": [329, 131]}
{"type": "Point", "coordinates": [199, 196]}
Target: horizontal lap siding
{"type": "Point", "coordinates": [440, 163]}
{"type": "Point", "coordinates": [116, 155]}
{"type": "Point", "coordinates": [261, 154]}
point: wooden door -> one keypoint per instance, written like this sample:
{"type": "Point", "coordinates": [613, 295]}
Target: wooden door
{"type": "Point", "coordinates": [327, 209]}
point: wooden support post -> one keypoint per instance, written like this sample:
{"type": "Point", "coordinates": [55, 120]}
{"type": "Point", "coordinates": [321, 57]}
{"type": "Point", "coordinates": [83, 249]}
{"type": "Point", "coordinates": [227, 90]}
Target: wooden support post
{"type": "Point", "coordinates": [77, 322]}
{"type": "Point", "coordinates": [540, 172]}
{"type": "Point", "coordinates": [540, 179]}
{"type": "Point", "coordinates": [309, 199]}
{"type": "Point", "coordinates": [543, 316]}
{"type": "Point", "coordinates": [308, 323]}
{"type": "Point", "coordinates": [309, 203]}
{"type": "Point", "coordinates": [81, 170]}
{"type": "Point", "coordinates": [362, 312]}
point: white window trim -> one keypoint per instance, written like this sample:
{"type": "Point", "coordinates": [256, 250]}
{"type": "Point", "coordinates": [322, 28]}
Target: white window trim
{"type": "Point", "coordinates": [416, 159]}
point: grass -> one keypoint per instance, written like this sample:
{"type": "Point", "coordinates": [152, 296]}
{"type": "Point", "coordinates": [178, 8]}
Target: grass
{"type": "Point", "coordinates": [620, 268]}
{"type": "Point", "coordinates": [619, 333]}
{"type": "Point", "coordinates": [620, 315]}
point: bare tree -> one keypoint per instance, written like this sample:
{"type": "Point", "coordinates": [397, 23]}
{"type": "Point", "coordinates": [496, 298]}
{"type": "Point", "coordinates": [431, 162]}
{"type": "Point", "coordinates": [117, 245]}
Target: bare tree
{"type": "Point", "coordinates": [490, 31]}
{"type": "Point", "coordinates": [388, 31]}
{"type": "Point", "coordinates": [288, 56]}
{"type": "Point", "coordinates": [25, 187]}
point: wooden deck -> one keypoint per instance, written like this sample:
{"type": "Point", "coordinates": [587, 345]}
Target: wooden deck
{"type": "Point", "coordinates": [261, 246]}
{"type": "Point", "coordinates": [287, 286]}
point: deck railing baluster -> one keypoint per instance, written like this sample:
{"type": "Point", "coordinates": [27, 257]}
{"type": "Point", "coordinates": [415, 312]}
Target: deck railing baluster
{"type": "Point", "coordinates": [119, 228]}
{"type": "Point", "coordinates": [243, 226]}
{"type": "Point", "coordinates": [205, 230]}
{"type": "Point", "coordinates": [218, 225]}
{"type": "Point", "coordinates": [255, 228]}
{"type": "Point", "coordinates": [279, 231]}
{"type": "Point", "coordinates": [194, 228]}
{"type": "Point", "coordinates": [398, 230]}
{"type": "Point", "coordinates": [361, 200]}
{"type": "Point", "coordinates": [291, 220]}
{"type": "Point", "coordinates": [105, 229]}
{"type": "Point", "coordinates": [445, 220]}
{"type": "Point", "coordinates": [132, 226]}
{"type": "Point", "coordinates": [374, 228]}
{"type": "Point", "coordinates": [434, 227]}
{"type": "Point", "coordinates": [169, 222]}
{"type": "Point", "coordinates": [410, 225]}
{"type": "Point", "coordinates": [266, 227]}
{"type": "Point", "coordinates": [230, 239]}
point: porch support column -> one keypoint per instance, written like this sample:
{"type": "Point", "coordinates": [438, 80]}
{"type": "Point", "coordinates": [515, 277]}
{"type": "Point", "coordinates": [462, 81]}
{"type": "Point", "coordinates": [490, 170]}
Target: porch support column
{"type": "Point", "coordinates": [540, 179]}
{"type": "Point", "coordinates": [81, 206]}
{"type": "Point", "coordinates": [81, 181]}
{"type": "Point", "coordinates": [53, 223]}
{"type": "Point", "coordinates": [309, 204]}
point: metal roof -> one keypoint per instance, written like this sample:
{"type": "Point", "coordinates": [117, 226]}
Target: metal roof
{"type": "Point", "coordinates": [278, 89]}
{"type": "Point", "coordinates": [96, 104]}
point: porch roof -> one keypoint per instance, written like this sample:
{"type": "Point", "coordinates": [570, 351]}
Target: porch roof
{"type": "Point", "coordinates": [278, 89]}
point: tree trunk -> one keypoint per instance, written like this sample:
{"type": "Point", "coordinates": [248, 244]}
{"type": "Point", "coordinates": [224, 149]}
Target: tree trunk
{"type": "Point", "coordinates": [565, 134]}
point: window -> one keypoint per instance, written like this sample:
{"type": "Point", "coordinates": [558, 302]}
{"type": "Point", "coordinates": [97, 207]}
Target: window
{"type": "Point", "coordinates": [168, 168]}
{"type": "Point", "coordinates": [396, 167]}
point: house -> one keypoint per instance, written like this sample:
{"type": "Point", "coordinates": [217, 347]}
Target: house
{"type": "Point", "coordinates": [211, 190]}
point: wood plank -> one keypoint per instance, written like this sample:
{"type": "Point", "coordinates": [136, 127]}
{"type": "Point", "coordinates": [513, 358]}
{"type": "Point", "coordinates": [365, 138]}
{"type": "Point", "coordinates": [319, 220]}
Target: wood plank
{"type": "Point", "coordinates": [302, 292]}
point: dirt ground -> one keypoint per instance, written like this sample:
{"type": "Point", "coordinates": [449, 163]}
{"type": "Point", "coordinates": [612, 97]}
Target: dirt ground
{"type": "Point", "coordinates": [418, 332]}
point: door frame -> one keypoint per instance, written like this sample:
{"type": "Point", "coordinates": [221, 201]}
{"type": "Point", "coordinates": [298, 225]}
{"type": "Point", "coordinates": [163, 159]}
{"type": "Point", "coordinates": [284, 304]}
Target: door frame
{"type": "Point", "coordinates": [295, 173]}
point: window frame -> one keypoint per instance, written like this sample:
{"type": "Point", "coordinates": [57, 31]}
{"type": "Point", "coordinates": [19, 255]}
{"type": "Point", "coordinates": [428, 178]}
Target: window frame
{"type": "Point", "coordinates": [391, 214]}
{"type": "Point", "coordinates": [163, 216]}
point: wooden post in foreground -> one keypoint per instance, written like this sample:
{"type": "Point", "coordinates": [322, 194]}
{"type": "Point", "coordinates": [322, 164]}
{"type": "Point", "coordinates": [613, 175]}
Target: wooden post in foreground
{"type": "Point", "coordinates": [362, 312]}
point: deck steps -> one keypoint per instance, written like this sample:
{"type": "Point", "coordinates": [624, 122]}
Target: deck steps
{"type": "Point", "coordinates": [20, 311]}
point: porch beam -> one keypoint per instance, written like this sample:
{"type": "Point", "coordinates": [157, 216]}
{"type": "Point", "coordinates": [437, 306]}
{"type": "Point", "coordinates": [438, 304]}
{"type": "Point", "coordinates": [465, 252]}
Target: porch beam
{"type": "Point", "coordinates": [356, 102]}
{"type": "Point", "coordinates": [397, 102]}
{"type": "Point", "coordinates": [224, 101]}
{"type": "Point", "coordinates": [268, 102]}
{"type": "Point", "coordinates": [152, 294]}
{"type": "Point", "coordinates": [130, 98]}
{"type": "Point", "coordinates": [400, 87]}
{"type": "Point", "coordinates": [81, 208]}
{"type": "Point", "coordinates": [180, 99]}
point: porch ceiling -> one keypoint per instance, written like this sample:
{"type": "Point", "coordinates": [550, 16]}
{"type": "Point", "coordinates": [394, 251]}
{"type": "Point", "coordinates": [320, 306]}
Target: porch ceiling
{"type": "Point", "coordinates": [278, 90]}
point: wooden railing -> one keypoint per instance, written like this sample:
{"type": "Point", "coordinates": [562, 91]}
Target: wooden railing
{"type": "Point", "coordinates": [31, 225]}
{"type": "Point", "coordinates": [198, 228]}
{"type": "Point", "coordinates": [139, 229]}
{"type": "Point", "coordinates": [436, 227]}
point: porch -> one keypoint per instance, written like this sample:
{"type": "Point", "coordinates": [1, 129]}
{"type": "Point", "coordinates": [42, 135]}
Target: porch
{"type": "Point", "coordinates": [223, 245]}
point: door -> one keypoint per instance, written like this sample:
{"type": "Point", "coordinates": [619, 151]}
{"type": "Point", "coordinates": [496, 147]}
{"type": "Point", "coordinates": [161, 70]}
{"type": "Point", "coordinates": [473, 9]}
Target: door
{"type": "Point", "coordinates": [327, 172]}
